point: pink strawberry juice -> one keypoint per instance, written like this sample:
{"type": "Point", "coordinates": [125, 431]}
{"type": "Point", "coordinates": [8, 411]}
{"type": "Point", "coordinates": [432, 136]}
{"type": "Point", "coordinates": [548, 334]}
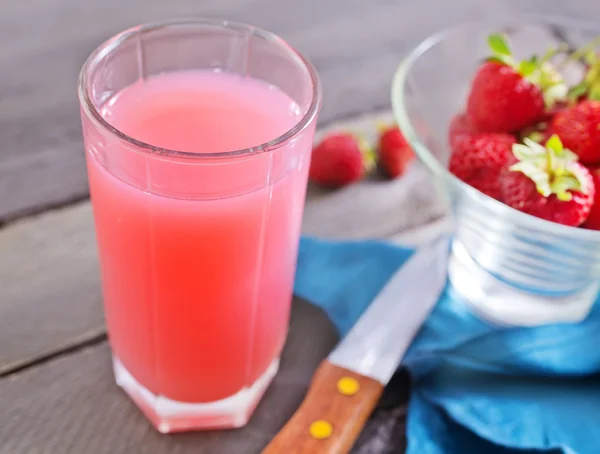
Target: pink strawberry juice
{"type": "Point", "coordinates": [198, 251]}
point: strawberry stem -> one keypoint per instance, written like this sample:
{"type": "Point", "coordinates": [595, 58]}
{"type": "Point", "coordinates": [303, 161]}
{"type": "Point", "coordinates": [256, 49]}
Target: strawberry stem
{"type": "Point", "coordinates": [551, 53]}
{"type": "Point", "coordinates": [537, 71]}
{"type": "Point", "coordinates": [583, 52]}
{"type": "Point", "coordinates": [499, 44]}
{"type": "Point", "coordinates": [550, 162]}
{"type": "Point", "coordinates": [551, 168]}
{"type": "Point", "coordinates": [368, 153]}
{"type": "Point", "coordinates": [590, 85]}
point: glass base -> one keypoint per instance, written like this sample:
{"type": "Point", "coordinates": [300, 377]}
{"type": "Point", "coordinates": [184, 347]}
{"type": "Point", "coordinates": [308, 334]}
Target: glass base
{"type": "Point", "coordinates": [503, 304]}
{"type": "Point", "coordinates": [171, 416]}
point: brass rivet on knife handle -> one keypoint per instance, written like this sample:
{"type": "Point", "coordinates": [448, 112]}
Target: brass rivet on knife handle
{"type": "Point", "coordinates": [332, 415]}
{"type": "Point", "coordinates": [348, 386]}
{"type": "Point", "coordinates": [320, 429]}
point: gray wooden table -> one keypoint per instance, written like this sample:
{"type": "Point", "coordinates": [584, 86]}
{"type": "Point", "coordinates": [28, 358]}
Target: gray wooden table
{"type": "Point", "coordinates": [56, 390]}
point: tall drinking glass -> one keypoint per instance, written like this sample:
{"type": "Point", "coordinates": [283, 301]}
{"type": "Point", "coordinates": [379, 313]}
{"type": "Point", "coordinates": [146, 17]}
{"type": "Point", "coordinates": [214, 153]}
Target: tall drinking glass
{"type": "Point", "coordinates": [197, 137]}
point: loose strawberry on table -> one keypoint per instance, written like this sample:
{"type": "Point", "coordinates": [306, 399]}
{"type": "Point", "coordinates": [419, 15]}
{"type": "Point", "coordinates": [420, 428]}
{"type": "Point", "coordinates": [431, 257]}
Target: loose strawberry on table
{"type": "Point", "coordinates": [549, 183]}
{"type": "Point", "coordinates": [508, 95]}
{"type": "Point", "coordinates": [340, 159]}
{"type": "Point", "coordinates": [395, 153]}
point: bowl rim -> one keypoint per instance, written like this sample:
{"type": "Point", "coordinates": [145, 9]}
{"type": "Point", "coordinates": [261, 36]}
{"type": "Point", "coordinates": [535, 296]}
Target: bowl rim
{"type": "Point", "coordinates": [409, 131]}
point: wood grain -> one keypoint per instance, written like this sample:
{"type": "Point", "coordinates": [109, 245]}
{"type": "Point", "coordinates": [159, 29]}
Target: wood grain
{"type": "Point", "coordinates": [344, 415]}
{"type": "Point", "coordinates": [72, 406]}
{"type": "Point", "coordinates": [49, 286]}
{"type": "Point", "coordinates": [355, 45]}
{"type": "Point", "coordinates": [49, 294]}
{"type": "Point", "coordinates": [49, 275]}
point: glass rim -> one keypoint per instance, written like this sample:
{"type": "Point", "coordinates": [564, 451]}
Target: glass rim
{"type": "Point", "coordinates": [108, 46]}
{"type": "Point", "coordinates": [402, 117]}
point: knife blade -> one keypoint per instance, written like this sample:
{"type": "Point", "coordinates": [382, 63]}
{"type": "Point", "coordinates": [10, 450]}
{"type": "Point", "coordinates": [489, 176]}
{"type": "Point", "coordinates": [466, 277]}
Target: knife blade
{"type": "Point", "coordinates": [348, 384]}
{"type": "Point", "coordinates": [377, 342]}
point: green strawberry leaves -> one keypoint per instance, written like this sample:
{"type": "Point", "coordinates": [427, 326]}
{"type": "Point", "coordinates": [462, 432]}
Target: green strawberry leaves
{"type": "Point", "coordinates": [590, 85]}
{"type": "Point", "coordinates": [538, 71]}
{"type": "Point", "coordinates": [541, 72]}
{"type": "Point", "coordinates": [528, 67]}
{"type": "Point", "coordinates": [498, 44]}
{"type": "Point", "coordinates": [552, 84]}
{"type": "Point", "coordinates": [552, 168]}
{"type": "Point", "coordinates": [591, 80]}
{"type": "Point", "coordinates": [555, 144]}
{"type": "Point", "coordinates": [501, 51]}
{"type": "Point", "coordinates": [368, 153]}
{"type": "Point", "coordinates": [577, 91]}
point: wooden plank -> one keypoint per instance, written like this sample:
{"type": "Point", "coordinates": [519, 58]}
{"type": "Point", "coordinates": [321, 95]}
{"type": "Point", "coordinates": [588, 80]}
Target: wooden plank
{"type": "Point", "coordinates": [71, 404]}
{"type": "Point", "coordinates": [51, 296]}
{"type": "Point", "coordinates": [50, 299]}
{"type": "Point", "coordinates": [51, 302]}
{"type": "Point", "coordinates": [356, 46]}
{"type": "Point", "coordinates": [58, 308]}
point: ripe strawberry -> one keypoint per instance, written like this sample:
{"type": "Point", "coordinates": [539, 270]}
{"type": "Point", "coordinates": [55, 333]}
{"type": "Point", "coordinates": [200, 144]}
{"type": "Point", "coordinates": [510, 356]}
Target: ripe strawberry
{"type": "Point", "coordinates": [459, 127]}
{"type": "Point", "coordinates": [340, 159]}
{"type": "Point", "coordinates": [394, 151]}
{"type": "Point", "coordinates": [579, 129]}
{"type": "Point", "coordinates": [549, 183]}
{"type": "Point", "coordinates": [480, 159]}
{"type": "Point", "coordinates": [593, 220]}
{"type": "Point", "coordinates": [501, 100]}
{"type": "Point", "coordinates": [507, 95]}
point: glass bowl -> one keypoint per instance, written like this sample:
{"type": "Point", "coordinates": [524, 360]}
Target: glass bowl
{"type": "Point", "coordinates": [511, 267]}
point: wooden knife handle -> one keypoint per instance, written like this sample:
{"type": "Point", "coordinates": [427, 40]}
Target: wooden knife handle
{"type": "Point", "coordinates": [332, 414]}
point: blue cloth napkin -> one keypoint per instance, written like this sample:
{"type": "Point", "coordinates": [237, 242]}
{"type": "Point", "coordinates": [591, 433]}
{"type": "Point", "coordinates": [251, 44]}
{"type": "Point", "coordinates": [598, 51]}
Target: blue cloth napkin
{"type": "Point", "coordinates": [477, 388]}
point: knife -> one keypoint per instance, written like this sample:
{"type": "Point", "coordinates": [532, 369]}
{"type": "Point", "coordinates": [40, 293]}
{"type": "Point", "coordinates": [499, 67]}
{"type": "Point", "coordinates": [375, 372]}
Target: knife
{"type": "Point", "coordinates": [347, 385]}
